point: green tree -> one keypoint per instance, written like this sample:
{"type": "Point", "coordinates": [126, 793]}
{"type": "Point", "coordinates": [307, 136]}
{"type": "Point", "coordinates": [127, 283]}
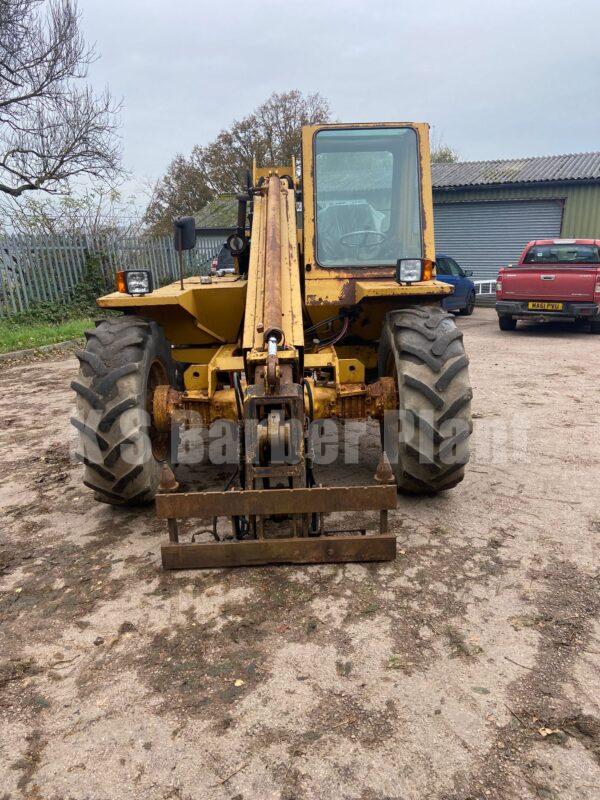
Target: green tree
{"type": "Point", "coordinates": [271, 134]}
{"type": "Point", "coordinates": [441, 153]}
{"type": "Point", "coordinates": [182, 190]}
{"type": "Point", "coordinates": [444, 155]}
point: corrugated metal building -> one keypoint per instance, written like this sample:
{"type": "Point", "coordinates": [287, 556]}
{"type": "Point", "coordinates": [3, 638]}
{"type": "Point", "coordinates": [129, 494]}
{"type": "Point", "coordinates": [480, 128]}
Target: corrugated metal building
{"type": "Point", "coordinates": [486, 211]}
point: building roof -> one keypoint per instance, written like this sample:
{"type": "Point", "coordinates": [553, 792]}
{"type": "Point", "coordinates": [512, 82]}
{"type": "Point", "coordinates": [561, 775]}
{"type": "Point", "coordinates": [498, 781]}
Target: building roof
{"type": "Point", "coordinates": [219, 213]}
{"type": "Point", "coordinates": [541, 169]}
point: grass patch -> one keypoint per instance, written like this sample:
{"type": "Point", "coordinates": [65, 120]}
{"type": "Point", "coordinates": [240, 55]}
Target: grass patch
{"type": "Point", "coordinates": [16, 335]}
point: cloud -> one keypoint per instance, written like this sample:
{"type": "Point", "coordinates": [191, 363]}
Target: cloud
{"type": "Point", "coordinates": [496, 79]}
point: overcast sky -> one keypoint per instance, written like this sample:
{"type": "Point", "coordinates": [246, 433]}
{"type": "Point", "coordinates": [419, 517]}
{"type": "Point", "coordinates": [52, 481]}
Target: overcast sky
{"type": "Point", "coordinates": [496, 79]}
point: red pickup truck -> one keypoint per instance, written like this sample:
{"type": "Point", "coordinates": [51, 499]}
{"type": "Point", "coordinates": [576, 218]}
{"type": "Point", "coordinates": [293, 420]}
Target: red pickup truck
{"type": "Point", "coordinates": [554, 279]}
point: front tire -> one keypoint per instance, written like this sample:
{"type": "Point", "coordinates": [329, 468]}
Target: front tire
{"type": "Point", "coordinates": [470, 306]}
{"type": "Point", "coordinates": [507, 323]}
{"type": "Point", "coordinates": [124, 360]}
{"type": "Point", "coordinates": [595, 326]}
{"type": "Point", "coordinates": [422, 347]}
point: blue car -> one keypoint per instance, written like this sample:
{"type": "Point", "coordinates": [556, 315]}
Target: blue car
{"type": "Point", "coordinates": [462, 298]}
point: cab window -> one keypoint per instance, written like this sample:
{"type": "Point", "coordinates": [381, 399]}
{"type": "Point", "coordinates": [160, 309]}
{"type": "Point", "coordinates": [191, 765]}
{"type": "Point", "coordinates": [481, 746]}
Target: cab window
{"type": "Point", "coordinates": [367, 196]}
{"type": "Point", "coordinates": [563, 253]}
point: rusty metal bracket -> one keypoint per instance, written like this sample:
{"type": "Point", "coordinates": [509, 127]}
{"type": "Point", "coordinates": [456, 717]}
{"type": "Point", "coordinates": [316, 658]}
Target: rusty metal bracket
{"type": "Point", "coordinates": [257, 504]}
{"type": "Point", "coordinates": [329, 549]}
{"type": "Point", "coordinates": [276, 501]}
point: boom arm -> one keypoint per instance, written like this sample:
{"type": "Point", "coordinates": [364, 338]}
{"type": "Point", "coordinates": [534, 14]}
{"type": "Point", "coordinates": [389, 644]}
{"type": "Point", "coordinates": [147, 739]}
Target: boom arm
{"type": "Point", "coordinates": [273, 317]}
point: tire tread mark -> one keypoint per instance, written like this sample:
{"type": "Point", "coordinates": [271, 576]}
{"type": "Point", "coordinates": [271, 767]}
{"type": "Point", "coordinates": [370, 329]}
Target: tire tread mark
{"type": "Point", "coordinates": [422, 458]}
{"type": "Point", "coordinates": [454, 407]}
{"type": "Point", "coordinates": [102, 472]}
{"type": "Point", "coordinates": [409, 326]}
{"type": "Point", "coordinates": [114, 453]}
{"type": "Point", "coordinates": [435, 364]}
{"type": "Point", "coordinates": [92, 397]}
{"type": "Point", "coordinates": [433, 397]}
{"type": "Point", "coordinates": [127, 478]}
{"type": "Point", "coordinates": [102, 490]}
{"type": "Point", "coordinates": [440, 346]}
{"type": "Point", "coordinates": [426, 427]}
{"type": "Point", "coordinates": [445, 379]}
{"type": "Point", "coordinates": [113, 413]}
{"type": "Point", "coordinates": [94, 362]}
{"type": "Point", "coordinates": [135, 339]}
{"type": "Point", "coordinates": [90, 433]}
{"type": "Point", "coordinates": [451, 441]}
{"type": "Point", "coordinates": [107, 383]}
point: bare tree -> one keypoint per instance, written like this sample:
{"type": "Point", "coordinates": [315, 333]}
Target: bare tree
{"type": "Point", "coordinates": [51, 129]}
{"type": "Point", "coordinates": [270, 134]}
{"type": "Point", "coordinates": [97, 210]}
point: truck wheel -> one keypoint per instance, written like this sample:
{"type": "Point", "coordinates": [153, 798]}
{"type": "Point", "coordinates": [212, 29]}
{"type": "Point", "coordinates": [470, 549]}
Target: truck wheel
{"type": "Point", "coordinates": [595, 326]}
{"type": "Point", "coordinates": [124, 360]}
{"type": "Point", "coordinates": [422, 347]}
{"type": "Point", "coordinates": [507, 323]}
{"type": "Point", "coordinates": [467, 310]}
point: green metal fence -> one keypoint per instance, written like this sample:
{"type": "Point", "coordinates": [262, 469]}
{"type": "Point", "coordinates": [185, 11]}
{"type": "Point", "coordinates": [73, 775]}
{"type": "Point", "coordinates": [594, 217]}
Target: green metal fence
{"type": "Point", "coordinates": [48, 268]}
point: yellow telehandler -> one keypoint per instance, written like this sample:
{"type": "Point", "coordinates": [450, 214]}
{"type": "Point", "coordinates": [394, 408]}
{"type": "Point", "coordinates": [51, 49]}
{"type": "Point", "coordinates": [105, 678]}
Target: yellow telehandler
{"type": "Point", "coordinates": [333, 312]}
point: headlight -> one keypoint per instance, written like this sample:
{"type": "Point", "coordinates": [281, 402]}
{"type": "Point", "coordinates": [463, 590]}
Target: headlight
{"type": "Point", "coordinates": [237, 244]}
{"type": "Point", "coordinates": [138, 281]}
{"type": "Point", "coordinates": [409, 270]}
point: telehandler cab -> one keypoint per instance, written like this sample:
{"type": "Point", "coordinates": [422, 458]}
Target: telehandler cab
{"type": "Point", "coordinates": [333, 313]}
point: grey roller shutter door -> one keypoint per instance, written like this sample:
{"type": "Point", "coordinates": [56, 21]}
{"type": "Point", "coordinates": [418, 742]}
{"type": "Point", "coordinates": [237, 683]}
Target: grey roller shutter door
{"type": "Point", "coordinates": [486, 236]}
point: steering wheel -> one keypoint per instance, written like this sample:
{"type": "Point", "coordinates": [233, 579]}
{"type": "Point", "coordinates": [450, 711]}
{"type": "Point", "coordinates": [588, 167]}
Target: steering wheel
{"type": "Point", "coordinates": [379, 238]}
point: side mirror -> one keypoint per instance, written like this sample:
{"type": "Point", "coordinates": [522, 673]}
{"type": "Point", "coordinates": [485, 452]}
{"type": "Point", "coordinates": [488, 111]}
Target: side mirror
{"type": "Point", "coordinates": [468, 273]}
{"type": "Point", "coordinates": [184, 233]}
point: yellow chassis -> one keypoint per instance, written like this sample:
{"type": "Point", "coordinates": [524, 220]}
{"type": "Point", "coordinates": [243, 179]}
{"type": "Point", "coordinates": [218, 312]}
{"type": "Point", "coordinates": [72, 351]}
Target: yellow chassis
{"type": "Point", "coordinates": [217, 327]}
{"type": "Point", "coordinates": [187, 316]}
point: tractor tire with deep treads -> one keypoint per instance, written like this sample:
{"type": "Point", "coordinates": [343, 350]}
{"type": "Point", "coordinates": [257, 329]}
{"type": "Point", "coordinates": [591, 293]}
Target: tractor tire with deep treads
{"type": "Point", "coordinates": [124, 359]}
{"type": "Point", "coordinates": [429, 443]}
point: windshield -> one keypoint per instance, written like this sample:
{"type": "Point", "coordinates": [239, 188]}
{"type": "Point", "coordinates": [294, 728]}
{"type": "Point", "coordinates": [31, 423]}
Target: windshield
{"type": "Point", "coordinates": [367, 196]}
{"type": "Point", "coordinates": [562, 254]}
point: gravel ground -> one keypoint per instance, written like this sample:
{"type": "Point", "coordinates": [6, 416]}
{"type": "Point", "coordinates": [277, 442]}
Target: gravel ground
{"type": "Point", "coordinates": [468, 668]}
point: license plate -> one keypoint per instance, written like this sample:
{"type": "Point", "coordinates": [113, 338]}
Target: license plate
{"type": "Point", "coordinates": [534, 306]}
